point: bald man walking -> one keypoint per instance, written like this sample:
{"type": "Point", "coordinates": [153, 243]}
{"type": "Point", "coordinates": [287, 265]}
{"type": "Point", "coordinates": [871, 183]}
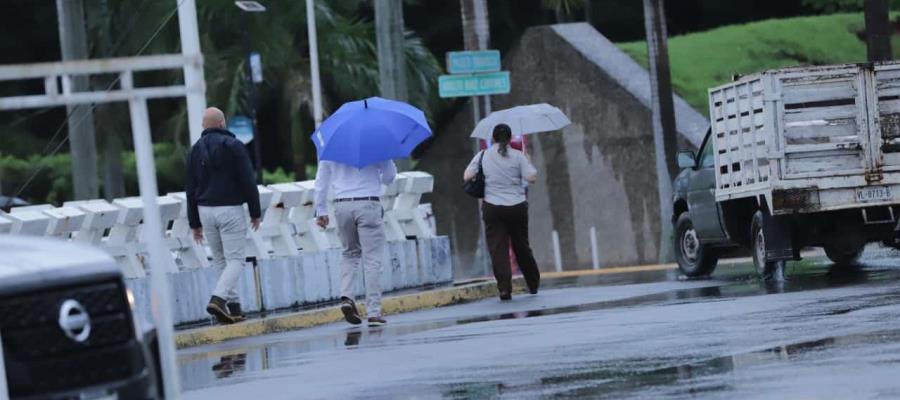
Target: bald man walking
{"type": "Point", "coordinates": [218, 181]}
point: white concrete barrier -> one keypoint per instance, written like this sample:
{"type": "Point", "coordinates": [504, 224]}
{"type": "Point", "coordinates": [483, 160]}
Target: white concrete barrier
{"type": "Point", "coordinates": [257, 246]}
{"type": "Point", "coordinates": [411, 186]}
{"type": "Point", "coordinates": [64, 221]}
{"type": "Point", "coordinates": [122, 241]}
{"type": "Point", "coordinates": [181, 239]}
{"type": "Point", "coordinates": [277, 227]}
{"type": "Point", "coordinates": [168, 212]}
{"type": "Point", "coordinates": [304, 219]}
{"type": "Point", "coordinates": [298, 262]}
{"type": "Point", "coordinates": [5, 223]}
{"type": "Point", "coordinates": [30, 220]}
{"type": "Point", "coordinates": [392, 230]}
{"type": "Point", "coordinates": [98, 217]}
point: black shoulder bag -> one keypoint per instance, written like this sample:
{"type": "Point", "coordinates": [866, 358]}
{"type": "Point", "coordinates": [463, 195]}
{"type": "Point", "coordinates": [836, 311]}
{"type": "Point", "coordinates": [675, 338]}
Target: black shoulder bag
{"type": "Point", "coordinates": [475, 187]}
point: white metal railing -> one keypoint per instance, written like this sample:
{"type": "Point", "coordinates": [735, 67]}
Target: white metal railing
{"type": "Point", "coordinates": [288, 226]}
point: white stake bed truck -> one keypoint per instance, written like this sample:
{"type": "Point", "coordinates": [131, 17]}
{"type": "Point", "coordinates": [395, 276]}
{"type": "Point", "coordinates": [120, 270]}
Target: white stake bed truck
{"type": "Point", "coordinates": [795, 157]}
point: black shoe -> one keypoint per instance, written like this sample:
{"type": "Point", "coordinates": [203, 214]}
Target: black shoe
{"type": "Point", "coordinates": [533, 289]}
{"type": "Point", "coordinates": [217, 308]}
{"type": "Point", "coordinates": [351, 314]}
{"type": "Point", "coordinates": [234, 310]}
{"type": "Point", "coordinates": [505, 296]}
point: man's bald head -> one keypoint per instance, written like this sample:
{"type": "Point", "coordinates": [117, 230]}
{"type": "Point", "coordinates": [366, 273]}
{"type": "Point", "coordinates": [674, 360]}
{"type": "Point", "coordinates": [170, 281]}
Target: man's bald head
{"type": "Point", "coordinates": [213, 118]}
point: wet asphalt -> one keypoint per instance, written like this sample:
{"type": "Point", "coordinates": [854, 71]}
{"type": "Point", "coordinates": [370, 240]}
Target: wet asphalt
{"type": "Point", "coordinates": [822, 332]}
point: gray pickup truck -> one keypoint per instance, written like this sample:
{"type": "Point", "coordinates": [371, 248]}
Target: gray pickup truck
{"type": "Point", "coordinates": [67, 325]}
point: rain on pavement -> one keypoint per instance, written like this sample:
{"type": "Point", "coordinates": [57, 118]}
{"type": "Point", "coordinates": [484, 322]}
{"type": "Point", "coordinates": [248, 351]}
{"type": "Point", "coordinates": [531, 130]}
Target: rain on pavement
{"type": "Point", "coordinates": [823, 332]}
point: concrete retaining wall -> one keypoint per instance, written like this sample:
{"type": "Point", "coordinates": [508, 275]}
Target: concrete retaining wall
{"type": "Point", "coordinates": [310, 278]}
{"type": "Point", "coordinates": [600, 171]}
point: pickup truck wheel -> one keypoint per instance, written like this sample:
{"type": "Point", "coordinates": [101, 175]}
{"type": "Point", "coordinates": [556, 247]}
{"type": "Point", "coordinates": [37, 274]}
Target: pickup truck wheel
{"type": "Point", "coordinates": [842, 256]}
{"type": "Point", "coordinates": [764, 267]}
{"type": "Point", "coordinates": [694, 259]}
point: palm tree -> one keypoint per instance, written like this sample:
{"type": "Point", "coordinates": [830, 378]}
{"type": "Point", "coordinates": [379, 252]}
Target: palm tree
{"type": "Point", "coordinates": [348, 61]}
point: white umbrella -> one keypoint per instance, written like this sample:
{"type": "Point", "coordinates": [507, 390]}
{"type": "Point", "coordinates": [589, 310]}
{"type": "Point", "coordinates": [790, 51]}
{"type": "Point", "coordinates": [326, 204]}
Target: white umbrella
{"type": "Point", "coordinates": [523, 120]}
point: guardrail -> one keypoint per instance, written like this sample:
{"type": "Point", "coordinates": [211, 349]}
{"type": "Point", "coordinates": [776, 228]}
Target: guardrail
{"type": "Point", "coordinates": [287, 228]}
{"type": "Point", "coordinates": [297, 262]}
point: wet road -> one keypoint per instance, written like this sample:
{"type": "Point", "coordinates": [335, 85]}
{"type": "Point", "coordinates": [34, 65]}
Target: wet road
{"type": "Point", "coordinates": [824, 332]}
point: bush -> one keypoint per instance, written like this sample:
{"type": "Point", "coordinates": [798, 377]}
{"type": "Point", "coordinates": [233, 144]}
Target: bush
{"type": "Point", "coordinates": [52, 182]}
{"type": "Point", "coordinates": [277, 176]}
{"type": "Point", "coordinates": [40, 179]}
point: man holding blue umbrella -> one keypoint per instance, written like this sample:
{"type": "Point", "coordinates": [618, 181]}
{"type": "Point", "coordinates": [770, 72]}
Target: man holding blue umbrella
{"type": "Point", "coordinates": [356, 146]}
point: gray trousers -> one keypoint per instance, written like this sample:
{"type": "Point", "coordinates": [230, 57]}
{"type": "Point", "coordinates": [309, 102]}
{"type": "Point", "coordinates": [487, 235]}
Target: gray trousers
{"type": "Point", "coordinates": [361, 228]}
{"type": "Point", "coordinates": [225, 231]}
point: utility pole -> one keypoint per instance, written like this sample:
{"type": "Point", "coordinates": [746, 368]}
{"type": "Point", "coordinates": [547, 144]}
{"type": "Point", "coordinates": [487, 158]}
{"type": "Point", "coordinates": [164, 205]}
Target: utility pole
{"type": "Point", "coordinates": [476, 36]}
{"type": "Point", "coordinates": [663, 111]}
{"type": "Point", "coordinates": [193, 74]}
{"type": "Point", "coordinates": [106, 126]}
{"type": "Point", "coordinates": [391, 60]}
{"type": "Point", "coordinates": [878, 30]}
{"type": "Point", "coordinates": [82, 145]}
{"type": "Point", "coordinates": [311, 32]}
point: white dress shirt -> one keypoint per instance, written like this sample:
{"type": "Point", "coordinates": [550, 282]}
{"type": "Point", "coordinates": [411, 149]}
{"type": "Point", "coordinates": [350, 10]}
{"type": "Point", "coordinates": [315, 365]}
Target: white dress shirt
{"type": "Point", "coordinates": [350, 182]}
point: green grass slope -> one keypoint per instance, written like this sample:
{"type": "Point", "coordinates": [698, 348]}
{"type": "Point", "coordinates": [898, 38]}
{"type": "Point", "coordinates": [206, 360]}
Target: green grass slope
{"type": "Point", "coordinates": [706, 59]}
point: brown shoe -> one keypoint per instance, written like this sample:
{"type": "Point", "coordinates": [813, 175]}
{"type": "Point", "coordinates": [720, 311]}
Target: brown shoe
{"type": "Point", "coordinates": [505, 296]}
{"type": "Point", "coordinates": [377, 321]}
{"type": "Point", "coordinates": [351, 314]}
{"type": "Point", "coordinates": [217, 308]}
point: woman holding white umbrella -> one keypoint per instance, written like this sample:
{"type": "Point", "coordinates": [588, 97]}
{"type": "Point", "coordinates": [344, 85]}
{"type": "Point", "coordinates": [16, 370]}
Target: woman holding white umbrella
{"type": "Point", "coordinates": [505, 210]}
{"type": "Point", "coordinates": [498, 175]}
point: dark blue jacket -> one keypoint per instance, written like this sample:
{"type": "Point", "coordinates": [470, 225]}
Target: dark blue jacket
{"type": "Point", "coordinates": [219, 173]}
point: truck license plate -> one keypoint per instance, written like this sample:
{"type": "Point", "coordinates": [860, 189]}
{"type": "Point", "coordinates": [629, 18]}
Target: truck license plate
{"type": "Point", "coordinates": [874, 193]}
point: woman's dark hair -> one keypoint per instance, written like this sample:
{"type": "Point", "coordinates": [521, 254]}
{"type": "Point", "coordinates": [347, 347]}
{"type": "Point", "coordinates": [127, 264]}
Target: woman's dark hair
{"type": "Point", "coordinates": [502, 135]}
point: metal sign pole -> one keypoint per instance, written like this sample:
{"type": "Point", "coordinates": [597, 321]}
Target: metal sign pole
{"type": "Point", "coordinates": [4, 392]}
{"type": "Point", "coordinates": [161, 300]}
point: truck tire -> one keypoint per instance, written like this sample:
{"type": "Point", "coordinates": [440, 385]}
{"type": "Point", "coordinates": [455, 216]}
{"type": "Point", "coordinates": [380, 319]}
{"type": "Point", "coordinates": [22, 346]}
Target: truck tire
{"type": "Point", "coordinates": [842, 257]}
{"type": "Point", "coordinates": [764, 267]}
{"type": "Point", "coordinates": [694, 259]}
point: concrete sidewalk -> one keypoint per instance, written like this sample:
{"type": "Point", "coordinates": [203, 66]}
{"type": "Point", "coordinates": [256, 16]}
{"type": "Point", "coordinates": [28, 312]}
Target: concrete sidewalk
{"type": "Point", "coordinates": [402, 303]}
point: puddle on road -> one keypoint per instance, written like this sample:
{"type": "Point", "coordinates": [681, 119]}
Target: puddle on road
{"type": "Point", "coordinates": [201, 370]}
{"type": "Point", "coordinates": [658, 377]}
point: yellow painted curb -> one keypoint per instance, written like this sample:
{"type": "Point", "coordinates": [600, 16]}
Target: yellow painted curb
{"type": "Point", "coordinates": [306, 319]}
{"type": "Point", "coordinates": [390, 305]}
{"type": "Point", "coordinates": [609, 271]}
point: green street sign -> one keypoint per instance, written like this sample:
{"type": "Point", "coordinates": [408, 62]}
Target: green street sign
{"type": "Point", "coordinates": [469, 62]}
{"type": "Point", "coordinates": [474, 85]}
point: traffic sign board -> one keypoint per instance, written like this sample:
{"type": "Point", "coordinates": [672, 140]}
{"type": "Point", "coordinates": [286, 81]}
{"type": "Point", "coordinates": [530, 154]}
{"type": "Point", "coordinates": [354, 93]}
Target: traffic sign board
{"type": "Point", "coordinates": [474, 85]}
{"type": "Point", "coordinates": [467, 62]}
{"type": "Point", "coordinates": [242, 128]}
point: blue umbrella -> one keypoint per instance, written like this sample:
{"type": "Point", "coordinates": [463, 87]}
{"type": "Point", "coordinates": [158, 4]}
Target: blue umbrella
{"type": "Point", "coordinates": [368, 131]}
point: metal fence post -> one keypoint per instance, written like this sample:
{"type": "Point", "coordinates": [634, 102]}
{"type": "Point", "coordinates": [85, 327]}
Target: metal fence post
{"type": "Point", "coordinates": [557, 257]}
{"type": "Point", "coordinates": [159, 286]}
{"type": "Point", "coordinates": [595, 253]}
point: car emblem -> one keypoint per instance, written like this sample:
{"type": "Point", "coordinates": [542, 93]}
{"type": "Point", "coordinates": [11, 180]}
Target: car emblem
{"type": "Point", "coordinates": [74, 320]}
